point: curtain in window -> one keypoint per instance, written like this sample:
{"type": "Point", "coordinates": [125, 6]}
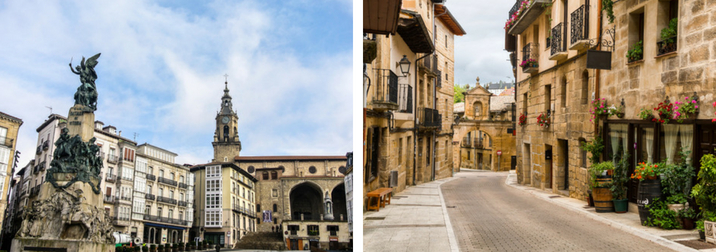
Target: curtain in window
{"type": "Point", "coordinates": [687, 135]}
{"type": "Point", "coordinates": [670, 137]}
{"type": "Point", "coordinates": [614, 135]}
{"type": "Point", "coordinates": [649, 135]}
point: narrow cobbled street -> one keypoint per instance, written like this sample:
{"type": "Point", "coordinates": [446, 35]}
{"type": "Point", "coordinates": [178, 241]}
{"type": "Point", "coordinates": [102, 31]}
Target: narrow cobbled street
{"type": "Point", "coordinates": [488, 215]}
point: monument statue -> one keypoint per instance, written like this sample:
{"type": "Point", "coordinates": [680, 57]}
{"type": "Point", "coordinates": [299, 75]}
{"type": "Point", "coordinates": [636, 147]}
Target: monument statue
{"type": "Point", "coordinates": [87, 91]}
{"type": "Point", "coordinates": [64, 213]}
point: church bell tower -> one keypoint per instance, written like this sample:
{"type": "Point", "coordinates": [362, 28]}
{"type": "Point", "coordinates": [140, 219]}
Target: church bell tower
{"type": "Point", "coordinates": [226, 136]}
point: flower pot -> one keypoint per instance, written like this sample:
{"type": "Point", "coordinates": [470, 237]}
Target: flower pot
{"type": "Point", "coordinates": [621, 205]}
{"type": "Point", "coordinates": [590, 199]}
{"type": "Point", "coordinates": [702, 235]}
{"type": "Point", "coordinates": [620, 115]}
{"type": "Point", "coordinates": [651, 177]}
{"type": "Point", "coordinates": [676, 207]}
{"type": "Point", "coordinates": [687, 223]}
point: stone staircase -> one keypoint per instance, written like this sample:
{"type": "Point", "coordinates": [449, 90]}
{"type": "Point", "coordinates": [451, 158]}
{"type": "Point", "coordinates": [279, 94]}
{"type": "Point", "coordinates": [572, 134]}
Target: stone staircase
{"type": "Point", "coordinates": [262, 240]}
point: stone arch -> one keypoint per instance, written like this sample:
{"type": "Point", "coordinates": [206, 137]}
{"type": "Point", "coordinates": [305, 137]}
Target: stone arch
{"type": "Point", "coordinates": [306, 198]}
{"type": "Point", "coordinates": [493, 130]}
{"type": "Point", "coordinates": [338, 196]}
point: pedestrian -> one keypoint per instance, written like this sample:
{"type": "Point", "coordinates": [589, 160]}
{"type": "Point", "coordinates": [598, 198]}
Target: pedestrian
{"type": "Point", "coordinates": [218, 248]}
{"type": "Point", "coordinates": [273, 229]}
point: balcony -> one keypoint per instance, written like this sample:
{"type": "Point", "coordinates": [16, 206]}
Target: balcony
{"type": "Point", "coordinates": [526, 15]}
{"type": "Point", "coordinates": [120, 179]}
{"type": "Point", "coordinates": [429, 118]}
{"type": "Point", "coordinates": [46, 145]}
{"type": "Point", "coordinates": [530, 54]}
{"type": "Point", "coordinates": [126, 198]}
{"type": "Point", "coordinates": [579, 38]}
{"type": "Point", "coordinates": [557, 50]}
{"type": "Point", "coordinates": [166, 200]}
{"type": "Point", "coordinates": [35, 191]}
{"type": "Point", "coordinates": [466, 142]}
{"type": "Point", "coordinates": [6, 141]}
{"type": "Point", "coordinates": [151, 177]}
{"type": "Point", "coordinates": [109, 199]}
{"type": "Point", "coordinates": [167, 181]}
{"type": "Point", "coordinates": [43, 165]}
{"type": "Point", "coordinates": [385, 85]}
{"type": "Point", "coordinates": [405, 99]}
{"type": "Point", "coordinates": [110, 178]}
{"type": "Point", "coordinates": [112, 158]}
{"type": "Point", "coordinates": [183, 186]}
{"type": "Point", "coordinates": [150, 217]}
{"type": "Point", "coordinates": [182, 203]}
{"type": "Point", "coordinates": [149, 196]}
{"type": "Point", "coordinates": [430, 65]}
{"type": "Point", "coordinates": [120, 221]}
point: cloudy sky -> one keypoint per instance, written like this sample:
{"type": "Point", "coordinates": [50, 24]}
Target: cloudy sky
{"type": "Point", "coordinates": [161, 73]}
{"type": "Point", "coordinates": [481, 51]}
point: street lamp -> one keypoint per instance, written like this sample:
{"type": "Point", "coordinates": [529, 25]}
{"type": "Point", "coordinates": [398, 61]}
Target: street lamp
{"type": "Point", "coordinates": [404, 65]}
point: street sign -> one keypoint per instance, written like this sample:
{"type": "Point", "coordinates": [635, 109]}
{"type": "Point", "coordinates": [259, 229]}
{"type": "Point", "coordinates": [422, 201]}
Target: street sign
{"type": "Point", "coordinates": [499, 152]}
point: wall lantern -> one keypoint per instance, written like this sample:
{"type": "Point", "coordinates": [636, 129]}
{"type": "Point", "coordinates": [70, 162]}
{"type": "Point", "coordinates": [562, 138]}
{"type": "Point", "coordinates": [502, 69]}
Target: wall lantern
{"type": "Point", "coordinates": [404, 65]}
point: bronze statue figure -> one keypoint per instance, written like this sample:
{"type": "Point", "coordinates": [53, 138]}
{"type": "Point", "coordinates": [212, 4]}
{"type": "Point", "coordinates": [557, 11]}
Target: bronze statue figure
{"type": "Point", "coordinates": [87, 91]}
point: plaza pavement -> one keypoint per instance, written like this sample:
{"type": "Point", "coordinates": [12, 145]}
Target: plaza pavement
{"type": "Point", "coordinates": [417, 220]}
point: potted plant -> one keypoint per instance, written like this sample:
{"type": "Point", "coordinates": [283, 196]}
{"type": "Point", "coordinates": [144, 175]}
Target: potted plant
{"type": "Point", "coordinates": [661, 216]}
{"type": "Point", "coordinates": [636, 52]}
{"type": "Point", "coordinates": [704, 191]}
{"type": "Point", "coordinates": [601, 184]}
{"type": "Point", "coordinates": [687, 216]}
{"type": "Point", "coordinates": [645, 114]}
{"type": "Point", "coordinates": [523, 120]}
{"type": "Point", "coordinates": [616, 111]}
{"type": "Point", "coordinates": [665, 110]}
{"type": "Point", "coordinates": [153, 248]}
{"type": "Point", "coordinates": [543, 120]}
{"type": "Point", "coordinates": [620, 178]}
{"type": "Point", "coordinates": [595, 147]}
{"type": "Point", "coordinates": [649, 187]}
{"type": "Point", "coordinates": [599, 109]}
{"type": "Point", "coordinates": [686, 110]}
{"type": "Point", "coordinates": [529, 66]}
{"type": "Point", "coordinates": [160, 247]}
{"type": "Point", "coordinates": [668, 37]}
{"type": "Point", "coordinates": [676, 182]}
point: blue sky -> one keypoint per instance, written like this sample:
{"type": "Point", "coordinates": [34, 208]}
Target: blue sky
{"type": "Point", "coordinates": [161, 73]}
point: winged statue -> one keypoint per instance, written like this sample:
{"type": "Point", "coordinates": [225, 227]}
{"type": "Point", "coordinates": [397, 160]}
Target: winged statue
{"type": "Point", "coordinates": [87, 91]}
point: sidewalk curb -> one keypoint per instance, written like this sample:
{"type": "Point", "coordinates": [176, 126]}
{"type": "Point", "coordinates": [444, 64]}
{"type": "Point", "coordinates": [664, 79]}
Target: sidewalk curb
{"type": "Point", "coordinates": [448, 225]}
{"type": "Point", "coordinates": [512, 181]}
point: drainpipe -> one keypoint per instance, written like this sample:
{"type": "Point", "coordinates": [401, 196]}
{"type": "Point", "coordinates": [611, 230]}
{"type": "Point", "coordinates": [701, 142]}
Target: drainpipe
{"type": "Point", "coordinates": [435, 96]}
{"type": "Point", "coordinates": [598, 72]}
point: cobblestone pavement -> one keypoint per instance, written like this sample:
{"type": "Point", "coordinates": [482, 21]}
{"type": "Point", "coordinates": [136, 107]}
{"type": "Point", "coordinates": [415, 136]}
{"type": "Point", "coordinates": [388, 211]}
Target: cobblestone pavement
{"type": "Point", "coordinates": [488, 215]}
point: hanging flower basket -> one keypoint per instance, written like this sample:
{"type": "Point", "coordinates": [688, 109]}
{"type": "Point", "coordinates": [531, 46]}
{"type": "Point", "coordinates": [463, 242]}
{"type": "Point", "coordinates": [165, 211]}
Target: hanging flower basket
{"type": "Point", "coordinates": [687, 110]}
{"type": "Point", "coordinates": [523, 120]}
{"type": "Point", "coordinates": [543, 120]}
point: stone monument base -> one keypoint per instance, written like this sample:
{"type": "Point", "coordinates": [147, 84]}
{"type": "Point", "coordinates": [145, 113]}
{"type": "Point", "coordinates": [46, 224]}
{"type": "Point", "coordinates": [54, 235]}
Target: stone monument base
{"type": "Point", "coordinates": [27, 244]}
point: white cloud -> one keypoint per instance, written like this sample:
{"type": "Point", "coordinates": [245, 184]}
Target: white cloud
{"type": "Point", "coordinates": [161, 73]}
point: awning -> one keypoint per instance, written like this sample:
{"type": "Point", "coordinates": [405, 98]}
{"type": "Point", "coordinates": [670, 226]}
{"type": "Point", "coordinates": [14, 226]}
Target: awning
{"type": "Point", "coordinates": [415, 34]}
{"type": "Point", "coordinates": [381, 16]}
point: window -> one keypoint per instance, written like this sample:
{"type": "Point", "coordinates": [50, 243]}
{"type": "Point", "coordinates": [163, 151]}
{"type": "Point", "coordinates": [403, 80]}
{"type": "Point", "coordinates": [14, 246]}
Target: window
{"type": "Point", "coordinates": [547, 97]}
{"type": "Point", "coordinates": [313, 230]}
{"type": "Point", "coordinates": [583, 154]}
{"type": "Point", "coordinates": [371, 164]}
{"type": "Point", "coordinates": [312, 169]}
{"type": "Point", "coordinates": [585, 87]}
{"type": "Point", "coordinates": [149, 189]}
{"type": "Point", "coordinates": [446, 45]}
{"type": "Point", "coordinates": [161, 192]}
{"type": "Point", "coordinates": [161, 173]}
{"type": "Point", "coordinates": [274, 192]}
{"type": "Point", "coordinates": [333, 230]}
{"type": "Point", "coordinates": [146, 210]}
{"type": "Point", "coordinates": [171, 194]}
{"type": "Point", "coordinates": [181, 179]}
{"type": "Point", "coordinates": [171, 176]}
{"type": "Point", "coordinates": [275, 208]}
{"type": "Point", "coordinates": [170, 213]}
{"type": "Point", "coordinates": [563, 92]}
{"type": "Point", "coordinates": [524, 104]}
{"type": "Point", "coordinates": [265, 175]}
{"type": "Point", "coordinates": [274, 175]}
{"type": "Point", "coordinates": [128, 155]}
{"type": "Point", "coordinates": [159, 211]}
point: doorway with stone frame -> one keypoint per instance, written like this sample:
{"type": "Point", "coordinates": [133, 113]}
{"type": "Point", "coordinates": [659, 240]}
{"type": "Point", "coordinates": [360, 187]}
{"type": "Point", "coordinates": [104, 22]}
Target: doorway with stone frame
{"type": "Point", "coordinates": [526, 164]}
{"type": "Point", "coordinates": [548, 166]}
{"type": "Point", "coordinates": [563, 165]}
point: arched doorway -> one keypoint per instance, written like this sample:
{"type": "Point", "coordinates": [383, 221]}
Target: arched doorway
{"type": "Point", "coordinates": [307, 200]}
{"type": "Point", "coordinates": [338, 196]}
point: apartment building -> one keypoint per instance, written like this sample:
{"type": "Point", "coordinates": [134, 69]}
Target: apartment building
{"type": "Point", "coordinates": [9, 127]}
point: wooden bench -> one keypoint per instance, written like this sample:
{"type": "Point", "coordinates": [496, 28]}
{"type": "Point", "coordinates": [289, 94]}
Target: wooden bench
{"type": "Point", "coordinates": [382, 195]}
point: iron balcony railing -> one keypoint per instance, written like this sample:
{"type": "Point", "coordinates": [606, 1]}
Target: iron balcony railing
{"type": "Point", "coordinates": [428, 117]}
{"type": "Point", "coordinates": [151, 177]}
{"type": "Point", "coordinates": [386, 86]}
{"type": "Point", "coordinates": [527, 52]}
{"type": "Point", "coordinates": [126, 198]}
{"type": "Point", "coordinates": [42, 165]}
{"type": "Point", "coordinates": [109, 199]}
{"type": "Point", "coordinates": [182, 203]}
{"type": "Point", "coordinates": [430, 63]}
{"type": "Point", "coordinates": [556, 44]}
{"type": "Point", "coordinates": [110, 177]}
{"type": "Point", "coordinates": [112, 159]}
{"type": "Point", "coordinates": [580, 24]}
{"type": "Point", "coordinates": [405, 104]}
{"type": "Point", "coordinates": [466, 142]}
{"type": "Point", "coordinates": [38, 150]}
{"type": "Point", "coordinates": [182, 185]}
{"type": "Point", "coordinates": [167, 181]}
{"type": "Point", "coordinates": [120, 178]}
{"type": "Point", "coordinates": [35, 191]}
{"type": "Point", "coordinates": [45, 145]}
{"type": "Point", "coordinates": [150, 217]}
{"type": "Point", "coordinates": [478, 144]}
{"type": "Point", "coordinates": [149, 196]}
{"type": "Point", "coordinates": [166, 200]}
{"type": "Point", "coordinates": [514, 8]}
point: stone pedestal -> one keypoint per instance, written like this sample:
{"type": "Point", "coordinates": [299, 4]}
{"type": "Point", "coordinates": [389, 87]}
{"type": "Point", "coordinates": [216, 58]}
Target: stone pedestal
{"type": "Point", "coordinates": [80, 121]}
{"type": "Point", "coordinates": [25, 244]}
